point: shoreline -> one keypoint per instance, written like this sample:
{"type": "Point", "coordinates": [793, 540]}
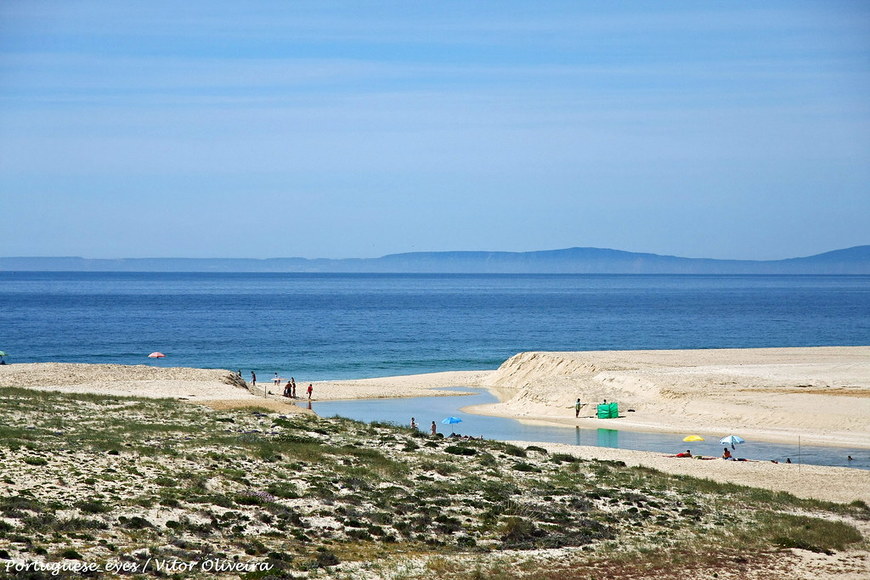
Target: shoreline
{"type": "Point", "coordinates": [821, 394]}
{"type": "Point", "coordinates": [591, 422]}
{"type": "Point", "coordinates": [819, 482]}
{"type": "Point", "coordinates": [818, 394]}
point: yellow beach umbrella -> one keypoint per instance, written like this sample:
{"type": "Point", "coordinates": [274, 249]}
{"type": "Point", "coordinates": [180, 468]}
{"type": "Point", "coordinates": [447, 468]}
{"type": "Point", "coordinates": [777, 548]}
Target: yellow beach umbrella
{"type": "Point", "coordinates": [693, 438]}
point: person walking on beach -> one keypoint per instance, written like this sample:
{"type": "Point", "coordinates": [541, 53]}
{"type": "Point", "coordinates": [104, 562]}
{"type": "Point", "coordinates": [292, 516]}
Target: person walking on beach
{"type": "Point", "coordinates": [577, 406]}
{"type": "Point", "coordinates": [310, 389]}
{"type": "Point", "coordinates": [253, 379]}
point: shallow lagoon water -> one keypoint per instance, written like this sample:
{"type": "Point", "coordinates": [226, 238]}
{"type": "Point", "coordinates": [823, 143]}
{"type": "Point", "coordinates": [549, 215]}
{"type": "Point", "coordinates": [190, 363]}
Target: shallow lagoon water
{"type": "Point", "coordinates": [428, 409]}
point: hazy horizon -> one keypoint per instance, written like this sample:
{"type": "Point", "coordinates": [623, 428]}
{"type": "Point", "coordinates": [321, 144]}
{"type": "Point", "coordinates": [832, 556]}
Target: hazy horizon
{"type": "Point", "coordinates": [315, 258]}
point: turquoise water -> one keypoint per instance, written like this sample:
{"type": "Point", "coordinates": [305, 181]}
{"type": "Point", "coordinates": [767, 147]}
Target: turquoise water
{"type": "Point", "coordinates": [593, 432]}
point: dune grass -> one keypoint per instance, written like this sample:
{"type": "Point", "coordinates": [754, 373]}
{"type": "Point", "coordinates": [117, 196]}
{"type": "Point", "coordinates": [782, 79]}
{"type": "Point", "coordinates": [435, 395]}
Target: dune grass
{"type": "Point", "coordinates": [109, 477]}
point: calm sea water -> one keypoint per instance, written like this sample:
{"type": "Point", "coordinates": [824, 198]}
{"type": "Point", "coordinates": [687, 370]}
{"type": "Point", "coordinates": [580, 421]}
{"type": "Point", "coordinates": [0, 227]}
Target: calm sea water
{"type": "Point", "coordinates": [329, 326]}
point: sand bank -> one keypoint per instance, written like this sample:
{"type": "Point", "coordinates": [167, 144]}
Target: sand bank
{"type": "Point", "coordinates": [836, 484]}
{"type": "Point", "coordinates": [426, 385]}
{"type": "Point", "coordinates": [820, 394]}
{"type": "Point", "coordinates": [193, 385]}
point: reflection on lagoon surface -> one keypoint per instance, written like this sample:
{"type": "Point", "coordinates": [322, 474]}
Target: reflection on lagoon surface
{"type": "Point", "coordinates": [428, 409]}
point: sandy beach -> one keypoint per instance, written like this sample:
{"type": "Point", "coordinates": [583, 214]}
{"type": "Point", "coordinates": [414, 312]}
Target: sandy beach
{"type": "Point", "coordinates": [768, 394]}
{"type": "Point", "coordinates": [836, 484]}
{"type": "Point", "coordinates": [195, 385]}
{"type": "Point", "coordinates": [820, 394]}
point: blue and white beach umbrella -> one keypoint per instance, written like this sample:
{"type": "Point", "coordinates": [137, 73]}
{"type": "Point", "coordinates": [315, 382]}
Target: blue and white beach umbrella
{"type": "Point", "coordinates": [732, 440]}
{"type": "Point", "coordinates": [451, 420]}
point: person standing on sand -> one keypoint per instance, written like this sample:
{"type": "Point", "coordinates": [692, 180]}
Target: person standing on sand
{"type": "Point", "coordinates": [434, 428]}
{"type": "Point", "coordinates": [413, 423]}
{"type": "Point", "coordinates": [577, 406]}
{"type": "Point", "coordinates": [293, 387]}
{"type": "Point", "coordinates": [310, 389]}
{"type": "Point", "coordinates": [253, 379]}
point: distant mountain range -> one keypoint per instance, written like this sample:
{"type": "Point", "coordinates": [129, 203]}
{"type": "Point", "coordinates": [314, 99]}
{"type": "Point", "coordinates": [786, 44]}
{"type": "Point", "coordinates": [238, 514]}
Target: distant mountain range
{"type": "Point", "coordinates": [568, 261]}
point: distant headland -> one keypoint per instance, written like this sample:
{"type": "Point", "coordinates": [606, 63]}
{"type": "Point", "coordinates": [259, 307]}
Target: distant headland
{"type": "Point", "coordinates": [850, 261]}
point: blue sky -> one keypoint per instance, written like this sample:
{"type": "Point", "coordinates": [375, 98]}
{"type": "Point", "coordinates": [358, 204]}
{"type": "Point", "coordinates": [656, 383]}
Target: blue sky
{"type": "Point", "coordinates": [357, 129]}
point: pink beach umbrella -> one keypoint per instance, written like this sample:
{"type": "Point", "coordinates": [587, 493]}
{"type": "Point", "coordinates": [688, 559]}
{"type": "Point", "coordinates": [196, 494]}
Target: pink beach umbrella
{"type": "Point", "coordinates": [156, 355]}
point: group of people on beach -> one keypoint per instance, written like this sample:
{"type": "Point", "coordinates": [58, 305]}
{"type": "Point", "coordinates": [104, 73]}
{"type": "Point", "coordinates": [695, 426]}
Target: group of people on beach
{"type": "Point", "coordinates": [289, 388]}
{"type": "Point", "coordinates": [726, 455]}
{"type": "Point", "coordinates": [433, 431]}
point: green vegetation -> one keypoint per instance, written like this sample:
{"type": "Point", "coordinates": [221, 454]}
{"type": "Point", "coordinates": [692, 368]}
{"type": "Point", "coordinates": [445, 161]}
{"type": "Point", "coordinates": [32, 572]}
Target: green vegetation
{"type": "Point", "coordinates": [98, 479]}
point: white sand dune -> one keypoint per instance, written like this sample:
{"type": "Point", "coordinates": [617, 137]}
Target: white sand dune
{"type": "Point", "coordinates": [778, 394]}
{"type": "Point", "coordinates": [126, 380]}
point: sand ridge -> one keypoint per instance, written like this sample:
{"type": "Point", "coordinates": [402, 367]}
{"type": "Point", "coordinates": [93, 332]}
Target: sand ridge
{"type": "Point", "coordinates": [820, 394]}
{"type": "Point", "coordinates": [127, 380]}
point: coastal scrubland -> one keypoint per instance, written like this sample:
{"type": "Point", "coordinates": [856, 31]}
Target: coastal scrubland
{"type": "Point", "coordinates": [159, 488]}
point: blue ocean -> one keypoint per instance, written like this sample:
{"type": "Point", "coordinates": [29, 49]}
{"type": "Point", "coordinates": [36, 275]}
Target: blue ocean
{"type": "Point", "coordinates": [333, 326]}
